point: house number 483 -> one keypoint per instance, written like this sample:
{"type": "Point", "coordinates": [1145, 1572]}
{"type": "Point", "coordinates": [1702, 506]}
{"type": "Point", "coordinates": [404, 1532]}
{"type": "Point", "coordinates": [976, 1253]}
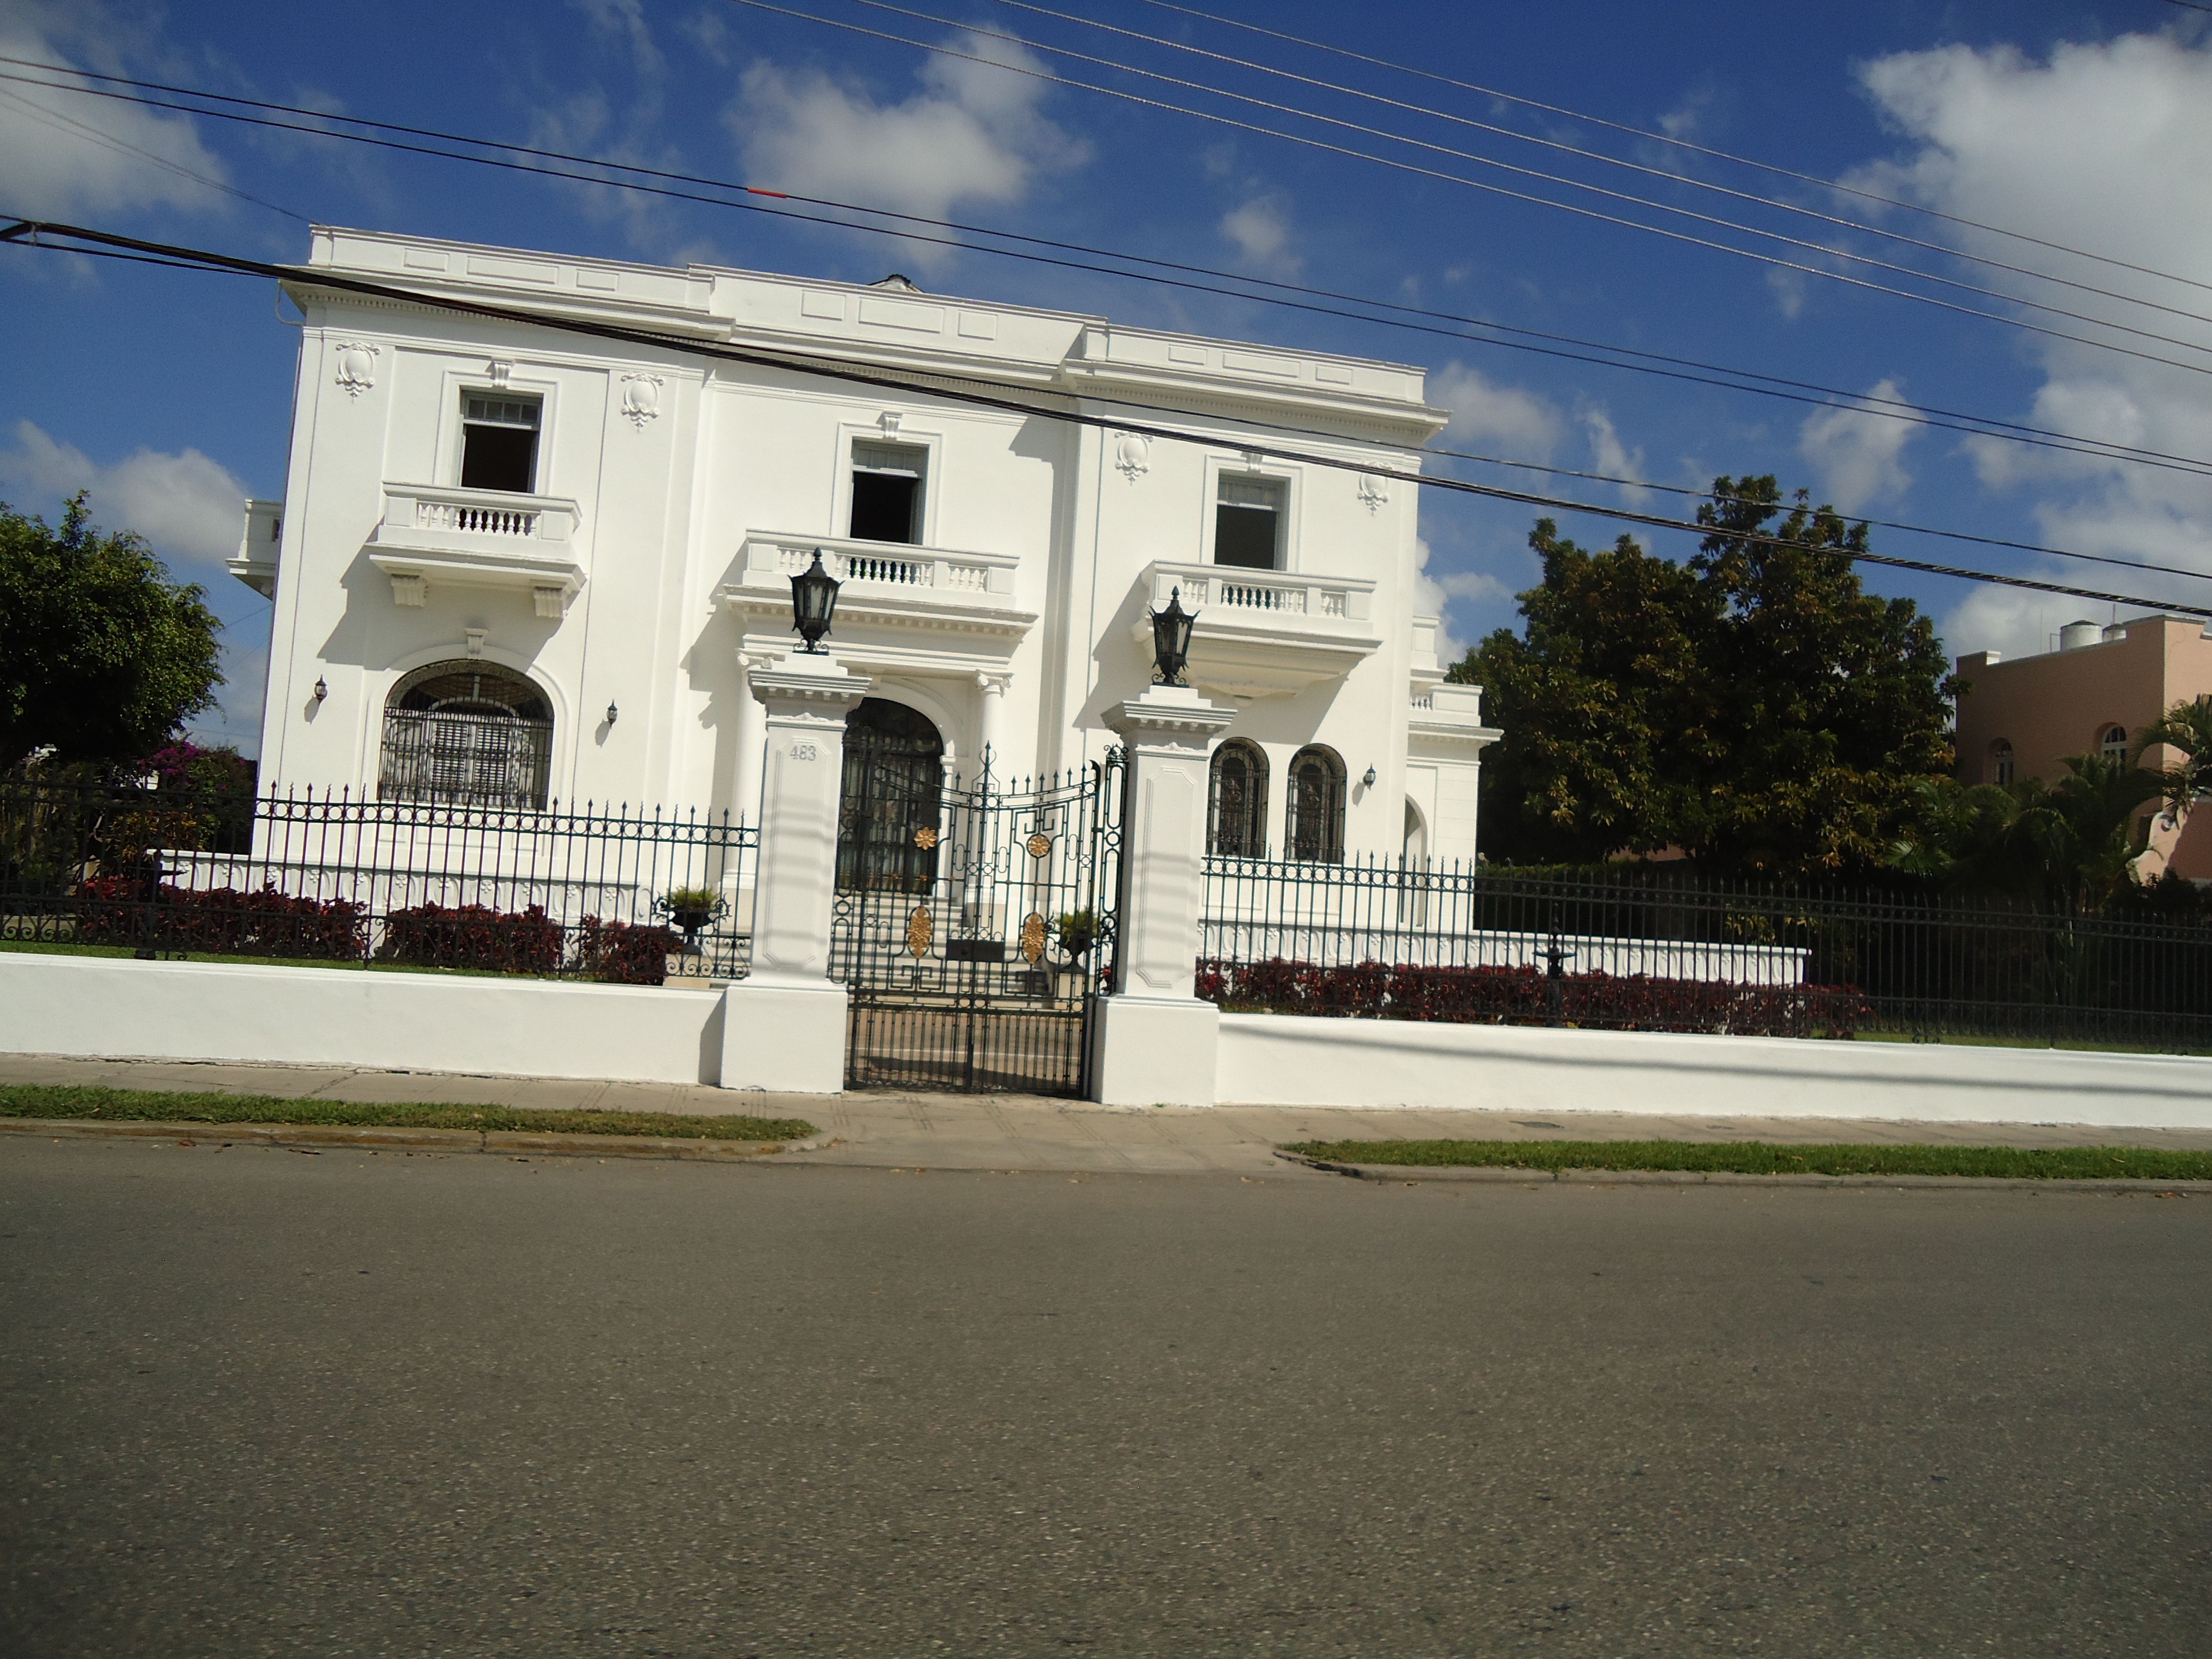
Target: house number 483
{"type": "Point", "coordinates": [804, 751]}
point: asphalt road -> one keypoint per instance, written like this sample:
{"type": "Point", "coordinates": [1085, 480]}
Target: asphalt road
{"type": "Point", "coordinates": [260, 1402]}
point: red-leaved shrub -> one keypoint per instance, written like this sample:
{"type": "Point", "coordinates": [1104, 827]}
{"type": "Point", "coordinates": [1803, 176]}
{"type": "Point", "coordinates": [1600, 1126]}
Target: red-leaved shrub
{"type": "Point", "coordinates": [624, 952]}
{"type": "Point", "coordinates": [238, 921]}
{"type": "Point", "coordinates": [473, 936]}
{"type": "Point", "coordinates": [1522, 996]}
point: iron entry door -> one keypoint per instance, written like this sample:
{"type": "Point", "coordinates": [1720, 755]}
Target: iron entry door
{"type": "Point", "coordinates": [973, 954]}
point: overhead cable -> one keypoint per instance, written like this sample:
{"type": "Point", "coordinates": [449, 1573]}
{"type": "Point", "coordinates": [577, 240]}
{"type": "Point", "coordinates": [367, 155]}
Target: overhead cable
{"type": "Point", "coordinates": [319, 124]}
{"type": "Point", "coordinates": [997, 398]}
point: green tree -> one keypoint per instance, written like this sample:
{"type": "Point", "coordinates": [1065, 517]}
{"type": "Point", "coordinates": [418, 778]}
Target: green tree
{"type": "Point", "coordinates": [1756, 706]}
{"type": "Point", "coordinates": [2069, 841]}
{"type": "Point", "coordinates": [101, 656]}
{"type": "Point", "coordinates": [2186, 728]}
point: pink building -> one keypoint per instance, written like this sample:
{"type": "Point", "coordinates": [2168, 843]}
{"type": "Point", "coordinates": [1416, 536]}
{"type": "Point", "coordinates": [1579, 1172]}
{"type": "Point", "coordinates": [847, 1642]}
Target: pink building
{"type": "Point", "coordinates": [2019, 719]}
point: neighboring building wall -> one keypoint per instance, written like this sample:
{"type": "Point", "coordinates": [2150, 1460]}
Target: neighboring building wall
{"type": "Point", "coordinates": [2040, 709]}
{"type": "Point", "coordinates": [672, 492]}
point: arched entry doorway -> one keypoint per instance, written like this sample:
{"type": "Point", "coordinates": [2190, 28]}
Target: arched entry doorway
{"type": "Point", "coordinates": [887, 813]}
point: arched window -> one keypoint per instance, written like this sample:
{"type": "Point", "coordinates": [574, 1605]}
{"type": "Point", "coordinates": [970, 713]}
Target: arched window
{"type": "Point", "coordinates": [2113, 742]}
{"type": "Point", "coordinates": [468, 732]}
{"type": "Point", "coordinates": [2000, 761]}
{"type": "Point", "coordinates": [893, 786]}
{"type": "Point", "coordinates": [1315, 830]}
{"type": "Point", "coordinates": [1417, 836]}
{"type": "Point", "coordinates": [1237, 801]}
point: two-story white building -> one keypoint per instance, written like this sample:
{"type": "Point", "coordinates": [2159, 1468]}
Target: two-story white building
{"type": "Point", "coordinates": [516, 564]}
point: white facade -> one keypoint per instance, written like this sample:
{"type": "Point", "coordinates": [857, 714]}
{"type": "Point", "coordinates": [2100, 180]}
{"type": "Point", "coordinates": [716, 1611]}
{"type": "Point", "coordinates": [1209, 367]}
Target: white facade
{"type": "Point", "coordinates": [642, 568]}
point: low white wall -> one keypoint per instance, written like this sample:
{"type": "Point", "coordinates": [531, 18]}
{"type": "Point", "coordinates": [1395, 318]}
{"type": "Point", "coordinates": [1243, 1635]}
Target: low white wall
{"type": "Point", "coordinates": [120, 1007]}
{"type": "Point", "coordinates": [1294, 1061]}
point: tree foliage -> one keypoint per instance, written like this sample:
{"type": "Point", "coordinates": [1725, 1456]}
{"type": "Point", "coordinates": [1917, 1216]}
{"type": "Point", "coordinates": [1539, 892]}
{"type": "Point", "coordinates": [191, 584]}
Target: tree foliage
{"type": "Point", "coordinates": [2070, 841]}
{"type": "Point", "coordinates": [1754, 707]}
{"type": "Point", "coordinates": [101, 656]}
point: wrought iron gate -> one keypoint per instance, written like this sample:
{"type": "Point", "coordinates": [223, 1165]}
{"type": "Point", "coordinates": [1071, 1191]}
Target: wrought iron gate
{"type": "Point", "coordinates": [973, 926]}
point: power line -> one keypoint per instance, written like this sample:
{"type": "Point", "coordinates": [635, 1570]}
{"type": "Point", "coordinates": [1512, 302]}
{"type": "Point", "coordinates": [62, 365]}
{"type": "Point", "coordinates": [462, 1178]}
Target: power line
{"type": "Point", "coordinates": [319, 124]}
{"type": "Point", "coordinates": [1588, 155]}
{"type": "Point", "coordinates": [1673, 367]}
{"type": "Point", "coordinates": [832, 369]}
{"type": "Point", "coordinates": [1418, 171]}
{"type": "Point", "coordinates": [1689, 145]}
{"type": "Point", "coordinates": [68, 124]}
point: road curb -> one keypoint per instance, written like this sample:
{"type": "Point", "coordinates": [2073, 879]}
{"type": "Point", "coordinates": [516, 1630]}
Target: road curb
{"type": "Point", "coordinates": [509, 1142]}
{"type": "Point", "coordinates": [1412, 1174]}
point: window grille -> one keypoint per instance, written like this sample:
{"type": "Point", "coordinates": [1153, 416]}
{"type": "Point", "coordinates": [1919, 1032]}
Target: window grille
{"type": "Point", "coordinates": [2113, 744]}
{"type": "Point", "coordinates": [893, 788]}
{"type": "Point", "coordinates": [1237, 801]}
{"type": "Point", "coordinates": [467, 734]}
{"type": "Point", "coordinates": [1315, 830]}
{"type": "Point", "coordinates": [2000, 768]}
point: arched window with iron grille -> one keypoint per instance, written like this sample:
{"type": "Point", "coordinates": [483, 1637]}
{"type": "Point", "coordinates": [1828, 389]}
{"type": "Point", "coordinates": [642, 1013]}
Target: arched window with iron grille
{"type": "Point", "coordinates": [1316, 830]}
{"type": "Point", "coordinates": [2112, 741]}
{"type": "Point", "coordinates": [469, 733]}
{"type": "Point", "coordinates": [892, 798]}
{"type": "Point", "coordinates": [2001, 761]}
{"type": "Point", "coordinates": [1237, 801]}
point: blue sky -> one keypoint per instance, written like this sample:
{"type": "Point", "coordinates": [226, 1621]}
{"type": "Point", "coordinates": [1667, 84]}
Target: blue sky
{"type": "Point", "coordinates": [167, 393]}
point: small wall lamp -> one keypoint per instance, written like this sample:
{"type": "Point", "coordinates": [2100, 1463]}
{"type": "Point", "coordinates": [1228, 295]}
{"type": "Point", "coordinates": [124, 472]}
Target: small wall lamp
{"type": "Point", "coordinates": [1370, 779]}
{"type": "Point", "coordinates": [322, 689]}
{"type": "Point", "coordinates": [611, 712]}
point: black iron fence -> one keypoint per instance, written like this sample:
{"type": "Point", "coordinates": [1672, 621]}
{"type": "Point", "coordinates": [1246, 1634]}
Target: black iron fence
{"type": "Point", "coordinates": [610, 894]}
{"type": "Point", "coordinates": [1659, 948]}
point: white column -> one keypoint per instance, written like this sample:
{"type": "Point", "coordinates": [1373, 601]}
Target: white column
{"type": "Point", "coordinates": [1157, 1044]}
{"type": "Point", "coordinates": [990, 725]}
{"type": "Point", "coordinates": [752, 737]}
{"type": "Point", "coordinates": [783, 1025]}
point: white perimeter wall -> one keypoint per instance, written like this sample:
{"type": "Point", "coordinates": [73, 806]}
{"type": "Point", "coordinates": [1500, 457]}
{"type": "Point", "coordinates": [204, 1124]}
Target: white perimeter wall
{"type": "Point", "coordinates": [119, 1007]}
{"type": "Point", "coordinates": [1290, 1060]}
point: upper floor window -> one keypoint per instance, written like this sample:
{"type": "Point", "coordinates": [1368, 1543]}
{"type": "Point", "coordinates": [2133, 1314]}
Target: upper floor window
{"type": "Point", "coordinates": [1249, 517]}
{"type": "Point", "coordinates": [2001, 761]}
{"type": "Point", "coordinates": [888, 480]}
{"type": "Point", "coordinates": [499, 442]}
{"type": "Point", "coordinates": [1316, 830]}
{"type": "Point", "coordinates": [2112, 742]}
{"type": "Point", "coordinates": [1237, 801]}
{"type": "Point", "coordinates": [470, 734]}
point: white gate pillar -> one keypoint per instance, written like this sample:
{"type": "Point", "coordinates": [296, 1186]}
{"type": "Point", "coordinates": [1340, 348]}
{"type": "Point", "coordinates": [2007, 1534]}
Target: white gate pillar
{"type": "Point", "coordinates": [783, 1025]}
{"type": "Point", "coordinates": [1154, 1043]}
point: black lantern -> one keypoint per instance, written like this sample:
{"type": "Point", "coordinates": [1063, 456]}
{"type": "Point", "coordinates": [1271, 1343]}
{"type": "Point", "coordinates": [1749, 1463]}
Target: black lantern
{"type": "Point", "coordinates": [813, 603]}
{"type": "Point", "coordinates": [1171, 641]}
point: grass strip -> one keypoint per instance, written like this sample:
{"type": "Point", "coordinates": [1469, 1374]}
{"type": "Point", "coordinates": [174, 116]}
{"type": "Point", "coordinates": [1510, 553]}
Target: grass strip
{"type": "Point", "coordinates": [1758, 1158]}
{"type": "Point", "coordinates": [36, 1100]}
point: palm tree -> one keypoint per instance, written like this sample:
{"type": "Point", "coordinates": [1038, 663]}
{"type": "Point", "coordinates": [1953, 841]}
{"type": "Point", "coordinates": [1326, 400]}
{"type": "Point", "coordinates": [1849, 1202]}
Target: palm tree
{"type": "Point", "coordinates": [2187, 726]}
{"type": "Point", "coordinates": [2071, 841]}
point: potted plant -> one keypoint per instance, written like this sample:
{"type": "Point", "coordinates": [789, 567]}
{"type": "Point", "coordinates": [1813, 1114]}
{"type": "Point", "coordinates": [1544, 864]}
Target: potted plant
{"type": "Point", "coordinates": [1078, 931]}
{"type": "Point", "coordinates": [691, 909]}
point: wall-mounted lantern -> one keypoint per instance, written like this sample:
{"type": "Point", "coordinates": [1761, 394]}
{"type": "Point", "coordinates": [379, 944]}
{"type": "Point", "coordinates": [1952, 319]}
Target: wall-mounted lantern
{"type": "Point", "coordinates": [322, 687]}
{"type": "Point", "coordinates": [813, 604]}
{"type": "Point", "coordinates": [1171, 641]}
{"type": "Point", "coordinates": [612, 712]}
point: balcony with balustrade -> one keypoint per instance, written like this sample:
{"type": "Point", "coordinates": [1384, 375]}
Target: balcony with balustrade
{"type": "Point", "coordinates": [885, 586]}
{"type": "Point", "coordinates": [433, 537]}
{"type": "Point", "coordinates": [1265, 633]}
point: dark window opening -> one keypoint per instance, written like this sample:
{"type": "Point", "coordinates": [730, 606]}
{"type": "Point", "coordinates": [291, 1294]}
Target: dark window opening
{"type": "Point", "coordinates": [1248, 520]}
{"type": "Point", "coordinates": [499, 443]}
{"type": "Point", "coordinates": [467, 733]}
{"type": "Point", "coordinates": [1236, 804]}
{"type": "Point", "coordinates": [1315, 830]}
{"type": "Point", "coordinates": [887, 480]}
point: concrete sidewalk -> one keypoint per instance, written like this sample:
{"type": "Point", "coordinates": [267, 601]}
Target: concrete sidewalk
{"type": "Point", "coordinates": [1022, 1131]}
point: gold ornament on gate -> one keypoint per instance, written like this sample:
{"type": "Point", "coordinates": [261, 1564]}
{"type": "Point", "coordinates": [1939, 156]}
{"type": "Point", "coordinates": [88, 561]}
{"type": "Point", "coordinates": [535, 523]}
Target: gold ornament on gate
{"type": "Point", "coordinates": [919, 930]}
{"type": "Point", "coordinates": [1040, 844]}
{"type": "Point", "coordinates": [926, 837]}
{"type": "Point", "coordinates": [1033, 938]}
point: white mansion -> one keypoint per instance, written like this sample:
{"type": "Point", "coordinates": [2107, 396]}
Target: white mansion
{"type": "Point", "coordinates": [516, 563]}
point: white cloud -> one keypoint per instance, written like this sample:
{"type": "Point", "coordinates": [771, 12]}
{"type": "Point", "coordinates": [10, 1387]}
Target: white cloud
{"type": "Point", "coordinates": [1858, 457]}
{"type": "Point", "coordinates": [1512, 418]}
{"type": "Point", "coordinates": [1611, 456]}
{"type": "Point", "coordinates": [1261, 231]}
{"type": "Point", "coordinates": [73, 157]}
{"type": "Point", "coordinates": [2014, 620]}
{"type": "Point", "coordinates": [190, 508]}
{"type": "Point", "coordinates": [972, 134]}
{"type": "Point", "coordinates": [2106, 147]}
{"type": "Point", "coordinates": [626, 18]}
